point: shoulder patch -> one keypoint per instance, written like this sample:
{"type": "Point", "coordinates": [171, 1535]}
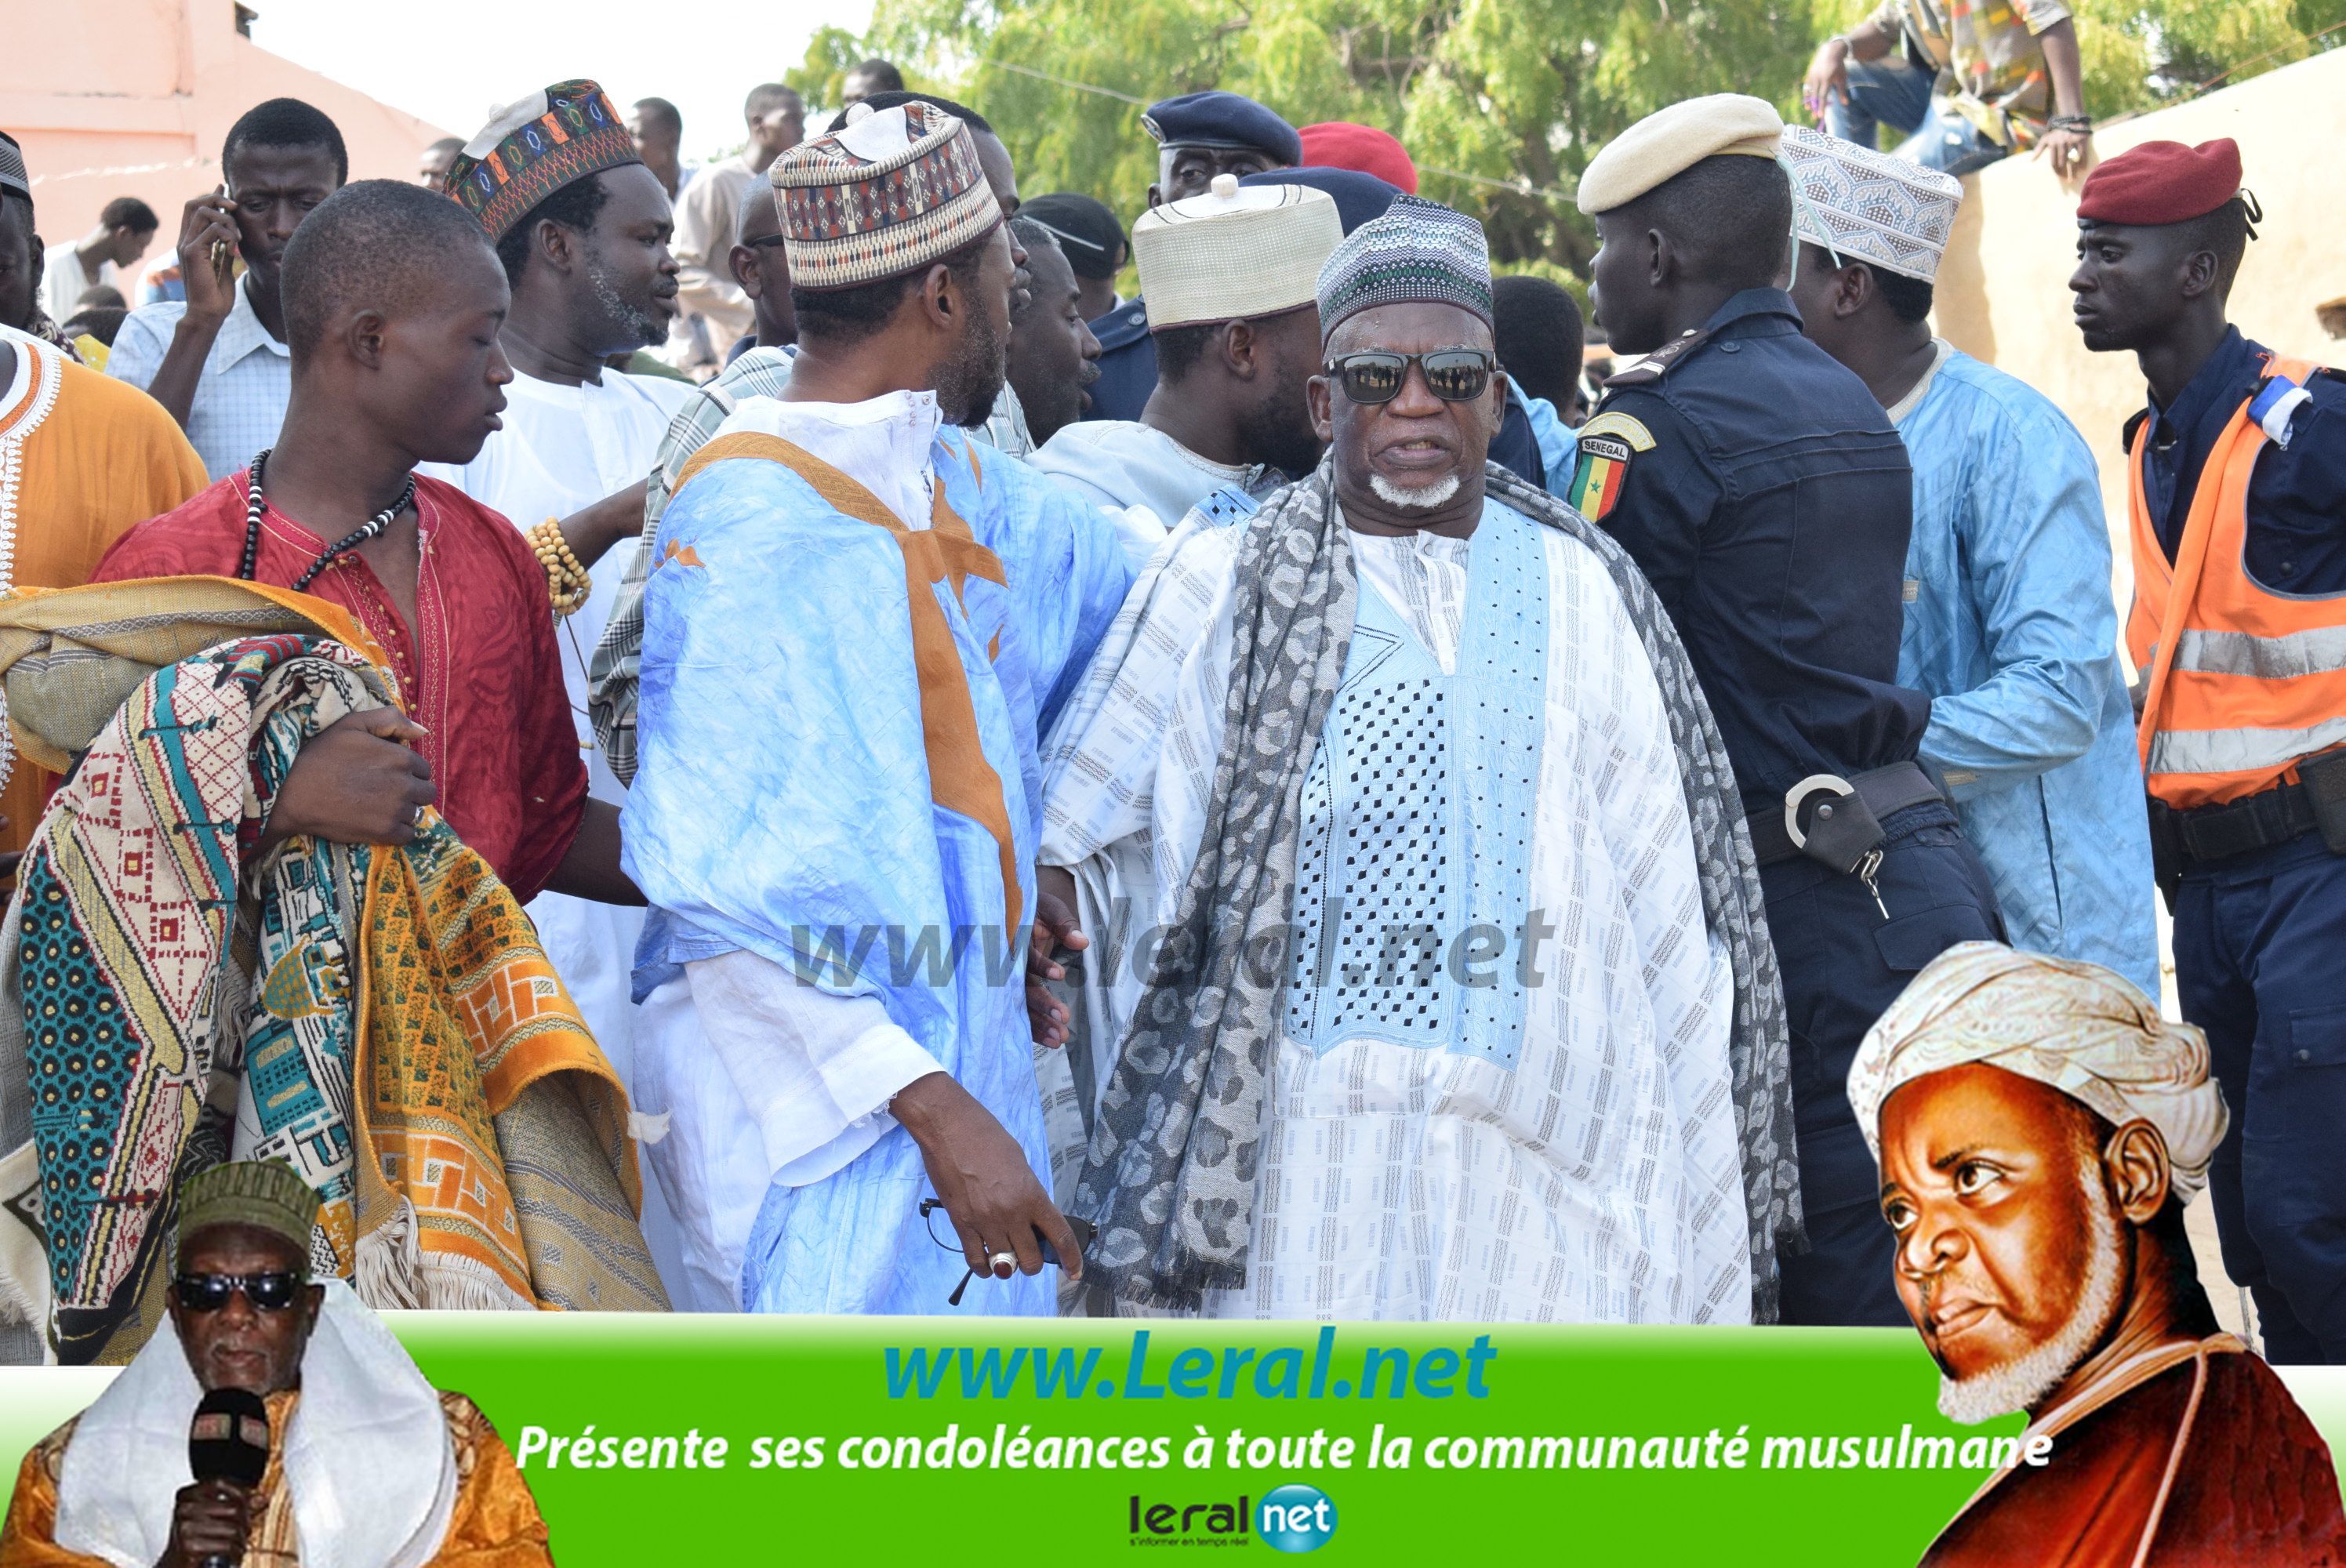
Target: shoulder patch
{"type": "Point", "coordinates": [1616, 424]}
{"type": "Point", "coordinates": [1608, 443]}
{"type": "Point", "coordinates": [2275, 405]}
{"type": "Point", "coordinates": [1654, 366]}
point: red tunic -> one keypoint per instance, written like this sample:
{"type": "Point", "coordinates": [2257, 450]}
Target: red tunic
{"type": "Point", "coordinates": [2197, 1459]}
{"type": "Point", "coordinates": [482, 672]}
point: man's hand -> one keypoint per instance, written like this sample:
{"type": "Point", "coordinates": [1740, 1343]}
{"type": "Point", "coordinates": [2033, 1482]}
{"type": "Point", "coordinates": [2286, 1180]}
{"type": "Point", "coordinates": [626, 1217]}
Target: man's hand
{"type": "Point", "coordinates": [208, 1519]}
{"type": "Point", "coordinates": [1055, 928]}
{"type": "Point", "coordinates": [618, 517]}
{"type": "Point", "coordinates": [1827, 78]}
{"type": "Point", "coordinates": [356, 782]}
{"type": "Point", "coordinates": [981, 1175]}
{"type": "Point", "coordinates": [2066, 147]}
{"type": "Point", "coordinates": [208, 221]}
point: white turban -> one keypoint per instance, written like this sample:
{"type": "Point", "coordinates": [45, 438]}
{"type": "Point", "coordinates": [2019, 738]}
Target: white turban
{"type": "Point", "coordinates": [2076, 1027]}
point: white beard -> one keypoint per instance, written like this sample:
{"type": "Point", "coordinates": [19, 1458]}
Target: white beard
{"type": "Point", "coordinates": [2018, 1384]}
{"type": "Point", "coordinates": [1424, 498]}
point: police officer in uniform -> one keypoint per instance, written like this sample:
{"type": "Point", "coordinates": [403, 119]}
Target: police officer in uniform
{"type": "Point", "coordinates": [1199, 136]}
{"type": "Point", "coordinates": [1768, 498]}
{"type": "Point", "coordinates": [2237, 479]}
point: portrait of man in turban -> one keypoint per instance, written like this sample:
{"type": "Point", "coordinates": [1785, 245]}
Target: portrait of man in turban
{"type": "Point", "coordinates": [2040, 1129]}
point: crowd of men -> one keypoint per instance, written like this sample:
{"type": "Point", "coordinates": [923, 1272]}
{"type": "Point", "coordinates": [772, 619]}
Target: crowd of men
{"type": "Point", "coordinates": [1277, 795]}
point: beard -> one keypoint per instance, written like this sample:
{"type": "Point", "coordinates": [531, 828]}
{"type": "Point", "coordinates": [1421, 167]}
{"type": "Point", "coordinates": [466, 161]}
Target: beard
{"type": "Point", "coordinates": [2020, 1383]}
{"type": "Point", "coordinates": [1423, 498]}
{"type": "Point", "coordinates": [1283, 435]}
{"type": "Point", "coordinates": [632, 325]}
{"type": "Point", "coordinates": [969, 382]}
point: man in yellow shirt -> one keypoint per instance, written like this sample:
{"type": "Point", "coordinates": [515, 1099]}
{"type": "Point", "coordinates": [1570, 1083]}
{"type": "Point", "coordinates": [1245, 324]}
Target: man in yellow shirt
{"type": "Point", "coordinates": [83, 459]}
{"type": "Point", "coordinates": [368, 1465]}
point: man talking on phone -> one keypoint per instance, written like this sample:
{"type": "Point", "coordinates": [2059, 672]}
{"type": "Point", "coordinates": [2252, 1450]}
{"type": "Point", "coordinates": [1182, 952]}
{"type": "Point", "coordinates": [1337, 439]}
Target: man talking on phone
{"type": "Point", "coordinates": [219, 360]}
{"type": "Point", "coordinates": [280, 1424]}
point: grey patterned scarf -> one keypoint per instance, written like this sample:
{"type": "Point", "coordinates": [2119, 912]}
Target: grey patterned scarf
{"type": "Point", "coordinates": [1170, 1174]}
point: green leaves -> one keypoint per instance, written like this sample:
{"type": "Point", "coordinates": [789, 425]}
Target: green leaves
{"type": "Point", "coordinates": [1500, 102]}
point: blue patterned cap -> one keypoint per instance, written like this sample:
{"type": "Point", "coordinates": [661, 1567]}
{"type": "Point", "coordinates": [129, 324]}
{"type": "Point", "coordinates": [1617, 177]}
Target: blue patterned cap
{"type": "Point", "coordinates": [1419, 250]}
{"type": "Point", "coordinates": [12, 167]}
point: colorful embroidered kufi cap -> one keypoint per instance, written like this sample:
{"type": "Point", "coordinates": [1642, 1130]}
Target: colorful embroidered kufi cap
{"type": "Point", "coordinates": [12, 167]}
{"type": "Point", "coordinates": [531, 149]}
{"type": "Point", "coordinates": [1867, 206]}
{"type": "Point", "coordinates": [894, 190]}
{"type": "Point", "coordinates": [1419, 250]}
{"type": "Point", "coordinates": [2077, 1027]}
{"type": "Point", "coordinates": [1668, 142]}
{"type": "Point", "coordinates": [1231, 254]}
{"type": "Point", "coordinates": [267, 1195]}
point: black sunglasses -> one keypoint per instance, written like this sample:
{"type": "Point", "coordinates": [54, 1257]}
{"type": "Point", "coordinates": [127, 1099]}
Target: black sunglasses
{"type": "Point", "coordinates": [272, 1292]}
{"type": "Point", "coordinates": [1453, 375]}
{"type": "Point", "coordinates": [950, 1240]}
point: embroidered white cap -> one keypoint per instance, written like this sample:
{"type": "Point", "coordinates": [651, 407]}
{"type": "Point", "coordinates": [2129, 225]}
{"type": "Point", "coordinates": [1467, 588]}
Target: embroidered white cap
{"type": "Point", "coordinates": [1235, 252]}
{"type": "Point", "coordinates": [1866, 206]}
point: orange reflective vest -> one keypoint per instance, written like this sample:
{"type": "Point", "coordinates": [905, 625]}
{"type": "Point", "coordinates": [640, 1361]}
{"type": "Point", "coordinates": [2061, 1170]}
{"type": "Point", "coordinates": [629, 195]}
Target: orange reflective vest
{"type": "Point", "coordinates": [2243, 682]}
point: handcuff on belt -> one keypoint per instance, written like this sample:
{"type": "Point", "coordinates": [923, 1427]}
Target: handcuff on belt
{"type": "Point", "coordinates": [1843, 833]}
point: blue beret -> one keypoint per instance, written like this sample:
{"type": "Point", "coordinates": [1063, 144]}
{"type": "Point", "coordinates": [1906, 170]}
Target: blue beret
{"type": "Point", "coordinates": [1358, 197]}
{"type": "Point", "coordinates": [1222, 119]}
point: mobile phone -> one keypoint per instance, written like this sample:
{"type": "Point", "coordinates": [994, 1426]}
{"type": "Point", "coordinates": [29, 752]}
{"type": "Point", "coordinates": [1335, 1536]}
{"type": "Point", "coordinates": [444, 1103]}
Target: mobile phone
{"type": "Point", "coordinates": [223, 254]}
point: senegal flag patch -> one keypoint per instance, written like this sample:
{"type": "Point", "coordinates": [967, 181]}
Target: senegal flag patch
{"type": "Point", "coordinates": [1608, 443]}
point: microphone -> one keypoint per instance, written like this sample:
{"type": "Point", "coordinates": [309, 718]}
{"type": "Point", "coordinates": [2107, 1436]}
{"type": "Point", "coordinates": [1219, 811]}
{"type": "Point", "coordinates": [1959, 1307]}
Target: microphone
{"type": "Point", "coordinates": [229, 1442]}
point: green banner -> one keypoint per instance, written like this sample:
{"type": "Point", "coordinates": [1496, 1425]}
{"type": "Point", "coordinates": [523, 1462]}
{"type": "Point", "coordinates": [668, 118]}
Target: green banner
{"type": "Point", "coordinates": [753, 1439]}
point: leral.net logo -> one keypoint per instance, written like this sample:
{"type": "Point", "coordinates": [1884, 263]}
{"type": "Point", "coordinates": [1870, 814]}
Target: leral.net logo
{"type": "Point", "coordinates": [1296, 1518]}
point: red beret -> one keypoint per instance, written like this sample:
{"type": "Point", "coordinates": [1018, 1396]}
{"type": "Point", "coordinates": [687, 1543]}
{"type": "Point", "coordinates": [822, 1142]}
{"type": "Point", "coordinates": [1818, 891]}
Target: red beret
{"type": "Point", "coordinates": [1338, 144]}
{"type": "Point", "coordinates": [2161, 182]}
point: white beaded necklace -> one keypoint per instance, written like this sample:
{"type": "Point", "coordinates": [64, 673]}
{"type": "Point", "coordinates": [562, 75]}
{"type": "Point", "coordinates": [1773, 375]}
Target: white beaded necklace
{"type": "Point", "coordinates": [47, 369]}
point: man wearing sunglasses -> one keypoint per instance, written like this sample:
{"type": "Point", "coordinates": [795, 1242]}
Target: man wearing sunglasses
{"type": "Point", "coordinates": [1431, 823]}
{"type": "Point", "coordinates": [366, 1463]}
{"type": "Point", "coordinates": [1768, 500]}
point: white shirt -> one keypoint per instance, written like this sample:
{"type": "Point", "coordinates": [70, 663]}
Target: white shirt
{"type": "Point", "coordinates": [563, 448]}
{"type": "Point", "coordinates": [1595, 1180]}
{"type": "Point", "coordinates": [1139, 476]}
{"type": "Point", "coordinates": [241, 393]}
{"type": "Point", "coordinates": [62, 281]}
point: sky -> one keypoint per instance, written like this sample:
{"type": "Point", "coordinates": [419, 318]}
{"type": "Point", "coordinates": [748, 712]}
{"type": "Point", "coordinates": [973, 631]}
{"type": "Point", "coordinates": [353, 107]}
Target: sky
{"type": "Point", "coordinates": [453, 61]}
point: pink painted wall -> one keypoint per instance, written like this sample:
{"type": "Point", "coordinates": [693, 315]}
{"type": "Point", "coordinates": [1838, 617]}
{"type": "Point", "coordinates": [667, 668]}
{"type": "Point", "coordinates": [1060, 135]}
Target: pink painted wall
{"type": "Point", "coordinates": [133, 97]}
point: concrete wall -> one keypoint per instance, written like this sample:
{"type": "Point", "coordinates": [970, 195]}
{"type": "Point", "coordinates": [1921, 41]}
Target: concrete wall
{"type": "Point", "coordinates": [133, 97]}
{"type": "Point", "coordinates": [2003, 292]}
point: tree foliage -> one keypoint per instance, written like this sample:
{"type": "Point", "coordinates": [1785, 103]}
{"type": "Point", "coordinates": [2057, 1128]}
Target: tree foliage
{"type": "Point", "coordinates": [1502, 103]}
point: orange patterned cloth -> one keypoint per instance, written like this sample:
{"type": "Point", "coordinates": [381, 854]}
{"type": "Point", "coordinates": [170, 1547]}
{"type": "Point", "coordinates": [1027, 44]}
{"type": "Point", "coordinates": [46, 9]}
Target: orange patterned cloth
{"type": "Point", "coordinates": [463, 1016]}
{"type": "Point", "coordinates": [496, 1522]}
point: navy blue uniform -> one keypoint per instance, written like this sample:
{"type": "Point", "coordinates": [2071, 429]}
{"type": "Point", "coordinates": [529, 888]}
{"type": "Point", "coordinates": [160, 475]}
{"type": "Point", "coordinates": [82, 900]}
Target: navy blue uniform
{"type": "Point", "coordinates": [2296, 497]}
{"type": "Point", "coordinates": [1128, 363]}
{"type": "Point", "coordinates": [1768, 500]}
{"type": "Point", "coordinates": [2258, 936]}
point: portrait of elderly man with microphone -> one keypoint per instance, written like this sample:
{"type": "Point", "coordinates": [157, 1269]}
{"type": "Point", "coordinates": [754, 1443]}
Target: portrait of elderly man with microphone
{"type": "Point", "coordinates": [280, 1424]}
{"type": "Point", "coordinates": [2040, 1128]}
